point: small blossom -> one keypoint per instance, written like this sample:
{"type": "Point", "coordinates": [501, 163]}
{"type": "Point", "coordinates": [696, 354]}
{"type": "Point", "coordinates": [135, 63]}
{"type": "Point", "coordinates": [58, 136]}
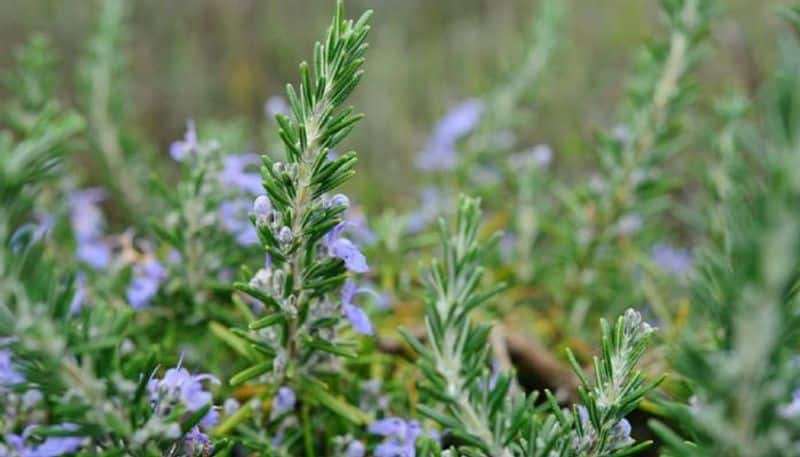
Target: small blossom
{"type": "Point", "coordinates": [234, 173]}
{"type": "Point", "coordinates": [401, 437]}
{"type": "Point", "coordinates": [629, 224]}
{"type": "Point", "coordinates": [284, 401]}
{"type": "Point", "coordinates": [88, 226]}
{"type": "Point", "coordinates": [355, 449]}
{"type": "Point", "coordinates": [439, 152]}
{"type": "Point", "coordinates": [389, 427]}
{"type": "Point", "coordinates": [538, 156]}
{"type": "Point", "coordinates": [345, 249]}
{"type": "Point", "coordinates": [230, 406]}
{"type": "Point", "coordinates": [31, 398]}
{"type": "Point", "coordinates": [672, 260]}
{"type": "Point", "coordinates": [79, 296]}
{"type": "Point", "coordinates": [355, 315]}
{"type": "Point", "coordinates": [621, 434]}
{"type": "Point", "coordinates": [431, 204]}
{"type": "Point", "coordinates": [338, 200]}
{"type": "Point", "coordinates": [147, 278]}
{"type": "Point", "coordinates": [262, 208]}
{"type": "Point", "coordinates": [791, 409]}
{"type": "Point", "coordinates": [54, 446]}
{"type": "Point", "coordinates": [180, 386]}
{"type": "Point", "coordinates": [197, 443]}
{"type": "Point", "coordinates": [276, 105]}
{"type": "Point", "coordinates": [233, 215]}
{"type": "Point", "coordinates": [8, 375]}
{"type": "Point", "coordinates": [180, 150]}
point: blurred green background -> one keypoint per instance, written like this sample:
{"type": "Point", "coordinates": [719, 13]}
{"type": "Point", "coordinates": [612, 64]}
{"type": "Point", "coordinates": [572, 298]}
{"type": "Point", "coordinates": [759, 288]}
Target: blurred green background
{"type": "Point", "coordinates": [221, 59]}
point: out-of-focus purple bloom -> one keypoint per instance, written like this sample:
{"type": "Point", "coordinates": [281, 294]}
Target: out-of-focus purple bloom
{"type": "Point", "coordinates": [355, 449]}
{"type": "Point", "coordinates": [670, 259]}
{"type": "Point", "coordinates": [345, 249]}
{"type": "Point", "coordinates": [174, 257]}
{"type": "Point", "coordinates": [233, 215]}
{"type": "Point", "coordinates": [31, 398]}
{"type": "Point", "coordinates": [791, 409]}
{"type": "Point", "coordinates": [86, 217]}
{"type": "Point", "coordinates": [180, 386]}
{"type": "Point", "coordinates": [622, 133]}
{"type": "Point", "coordinates": [390, 427]}
{"type": "Point", "coordinates": [431, 204]}
{"type": "Point", "coordinates": [54, 446]}
{"type": "Point", "coordinates": [79, 296]}
{"type": "Point", "coordinates": [401, 437]}
{"type": "Point", "coordinates": [197, 443]}
{"type": "Point", "coordinates": [8, 374]}
{"type": "Point", "coordinates": [284, 401]}
{"type": "Point", "coordinates": [508, 246]}
{"type": "Point", "coordinates": [147, 278]}
{"type": "Point", "coordinates": [357, 225]}
{"type": "Point", "coordinates": [180, 150]}
{"type": "Point", "coordinates": [276, 105]}
{"type": "Point", "coordinates": [88, 225]}
{"type": "Point", "coordinates": [354, 314]}
{"type": "Point", "coordinates": [538, 156]}
{"type": "Point", "coordinates": [628, 224]}
{"type": "Point", "coordinates": [621, 434]}
{"type": "Point", "coordinates": [230, 406]}
{"type": "Point", "coordinates": [234, 173]}
{"type": "Point", "coordinates": [439, 152]}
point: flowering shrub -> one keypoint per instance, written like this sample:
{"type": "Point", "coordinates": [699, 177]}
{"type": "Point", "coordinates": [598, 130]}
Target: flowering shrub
{"type": "Point", "coordinates": [252, 308]}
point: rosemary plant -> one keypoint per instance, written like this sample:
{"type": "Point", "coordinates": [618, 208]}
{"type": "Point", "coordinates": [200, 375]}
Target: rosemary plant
{"type": "Point", "coordinates": [481, 409]}
{"type": "Point", "coordinates": [305, 287]}
{"type": "Point", "coordinates": [739, 356]}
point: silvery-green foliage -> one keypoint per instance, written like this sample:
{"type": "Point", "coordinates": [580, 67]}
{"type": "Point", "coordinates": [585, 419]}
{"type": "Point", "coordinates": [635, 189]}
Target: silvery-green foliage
{"type": "Point", "coordinates": [738, 358]}
{"type": "Point", "coordinates": [70, 379]}
{"type": "Point", "coordinates": [298, 334]}
{"type": "Point", "coordinates": [614, 216]}
{"type": "Point", "coordinates": [479, 408]}
{"type": "Point", "coordinates": [102, 81]}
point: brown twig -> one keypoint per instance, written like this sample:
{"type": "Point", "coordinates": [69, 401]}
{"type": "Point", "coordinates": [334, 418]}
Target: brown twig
{"type": "Point", "coordinates": [536, 366]}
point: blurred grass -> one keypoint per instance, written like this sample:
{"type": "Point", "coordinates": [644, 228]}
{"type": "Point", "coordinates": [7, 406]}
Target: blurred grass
{"type": "Point", "coordinates": [210, 59]}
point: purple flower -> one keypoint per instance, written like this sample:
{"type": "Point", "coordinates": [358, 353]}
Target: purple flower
{"type": "Point", "coordinates": [355, 449]}
{"type": "Point", "coordinates": [431, 204]}
{"type": "Point", "coordinates": [79, 296]}
{"type": "Point", "coordinates": [389, 427]}
{"type": "Point", "coordinates": [621, 434]}
{"type": "Point", "coordinates": [628, 224]}
{"type": "Point", "coordinates": [180, 386]}
{"type": "Point", "coordinates": [179, 150]}
{"type": "Point", "coordinates": [357, 225]}
{"type": "Point", "coordinates": [8, 374]}
{"type": "Point", "coordinates": [233, 215]}
{"type": "Point", "coordinates": [88, 225]}
{"type": "Point", "coordinates": [538, 156]}
{"type": "Point", "coordinates": [145, 283]}
{"type": "Point", "coordinates": [234, 173]}
{"type": "Point", "coordinates": [197, 443]}
{"type": "Point", "coordinates": [276, 105]}
{"type": "Point", "coordinates": [670, 259]}
{"type": "Point", "coordinates": [53, 446]}
{"type": "Point", "coordinates": [284, 401]}
{"type": "Point", "coordinates": [439, 152]}
{"type": "Point", "coordinates": [401, 437]}
{"type": "Point", "coordinates": [345, 249]}
{"type": "Point", "coordinates": [789, 410]}
{"type": "Point", "coordinates": [357, 317]}
{"type": "Point", "coordinates": [262, 208]}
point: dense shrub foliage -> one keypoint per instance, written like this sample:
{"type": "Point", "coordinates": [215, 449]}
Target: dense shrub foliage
{"type": "Point", "coordinates": [520, 309]}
